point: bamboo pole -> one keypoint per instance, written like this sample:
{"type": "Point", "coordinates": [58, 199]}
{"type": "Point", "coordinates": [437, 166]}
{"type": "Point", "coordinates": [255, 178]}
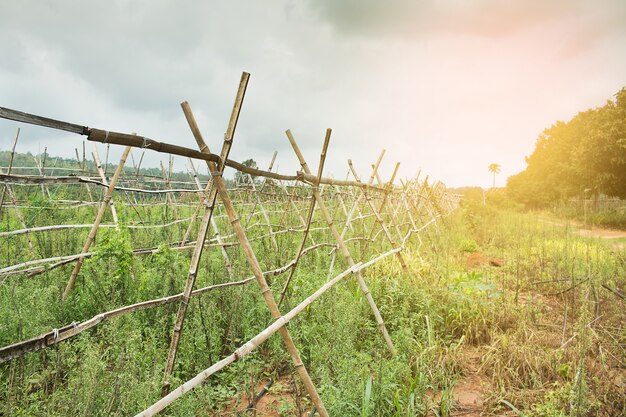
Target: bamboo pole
{"type": "Point", "coordinates": [378, 217]}
{"type": "Point", "coordinates": [245, 349]}
{"type": "Point", "coordinates": [254, 264]}
{"type": "Point", "coordinates": [94, 229]}
{"type": "Point", "coordinates": [262, 186]}
{"type": "Point", "coordinates": [344, 249]}
{"type": "Point", "coordinates": [263, 212]}
{"type": "Point", "coordinates": [17, 135]}
{"type": "Point", "coordinates": [51, 338]}
{"type": "Point", "coordinates": [320, 169]}
{"type": "Point", "coordinates": [82, 172]}
{"type": "Point", "coordinates": [21, 219]}
{"type": "Point", "coordinates": [204, 228]}
{"type": "Point", "coordinates": [218, 236]}
{"type": "Point", "coordinates": [103, 177]}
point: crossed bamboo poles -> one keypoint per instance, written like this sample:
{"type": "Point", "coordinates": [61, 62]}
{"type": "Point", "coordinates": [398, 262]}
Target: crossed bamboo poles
{"type": "Point", "coordinates": [217, 187]}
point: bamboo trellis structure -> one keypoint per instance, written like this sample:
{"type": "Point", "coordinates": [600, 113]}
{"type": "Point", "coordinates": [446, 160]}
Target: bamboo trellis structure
{"type": "Point", "coordinates": [308, 204]}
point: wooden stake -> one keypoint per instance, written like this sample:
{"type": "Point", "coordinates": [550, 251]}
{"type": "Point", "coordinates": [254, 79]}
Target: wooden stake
{"type": "Point", "coordinates": [103, 177]}
{"type": "Point", "coordinates": [310, 216]}
{"type": "Point", "coordinates": [253, 262]}
{"type": "Point", "coordinates": [94, 229]}
{"type": "Point", "coordinates": [344, 249]}
{"type": "Point", "coordinates": [204, 228]}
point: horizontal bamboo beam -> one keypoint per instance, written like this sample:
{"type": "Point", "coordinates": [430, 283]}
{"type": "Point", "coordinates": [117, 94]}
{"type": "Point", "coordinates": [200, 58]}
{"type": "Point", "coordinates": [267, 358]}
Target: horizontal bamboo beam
{"type": "Point", "coordinates": [55, 336]}
{"type": "Point", "coordinates": [136, 141]}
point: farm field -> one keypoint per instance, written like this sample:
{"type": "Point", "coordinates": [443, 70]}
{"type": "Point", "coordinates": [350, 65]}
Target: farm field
{"type": "Point", "coordinates": [374, 209]}
{"type": "Point", "coordinates": [497, 312]}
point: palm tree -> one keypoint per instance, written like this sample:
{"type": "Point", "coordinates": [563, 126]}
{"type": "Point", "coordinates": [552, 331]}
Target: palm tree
{"type": "Point", "coordinates": [495, 169]}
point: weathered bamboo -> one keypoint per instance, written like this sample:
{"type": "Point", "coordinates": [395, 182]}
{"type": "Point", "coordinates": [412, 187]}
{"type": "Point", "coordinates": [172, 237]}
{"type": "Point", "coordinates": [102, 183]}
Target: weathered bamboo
{"type": "Point", "coordinates": [103, 177]}
{"type": "Point", "coordinates": [320, 169]}
{"type": "Point", "coordinates": [202, 233]}
{"type": "Point", "coordinates": [263, 212]}
{"type": "Point", "coordinates": [377, 215]}
{"type": "Point", "coordinates": [7, 188]}
{"type": "Point", "coordinates": [344, 249]}
{"type": "Point", "coordinates": [262, 186]}
{"type": "Point", "coordinates": [55, 336]}
{"type": "Point", "coordinates": [45, 192]}
{"type": "Point", "coordinates": [216, 231]}
{"type": "Point", "coordinates": [105, 136]}
{"type": "Point", "coordinates": [348, 224]}
{"type": "Point", "coordinates": [82, 172]}
{"type": "Point", "coordinates": [245, 349]}
{"type": "Point", "coordinates": [254, 264]}
{"type": "Point", "coordinates": [17, 135]}
{"type": "Point", "coordinates": [99, 216]}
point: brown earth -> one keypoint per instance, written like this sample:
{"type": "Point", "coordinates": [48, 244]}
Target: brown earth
{"type": "Point", "coordinates": [478, 259]}
{"type": "Point", "coordinates": [279, 401]}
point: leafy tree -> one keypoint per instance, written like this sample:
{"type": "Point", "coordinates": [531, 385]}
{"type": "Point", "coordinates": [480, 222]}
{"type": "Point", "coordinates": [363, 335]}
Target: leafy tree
{"type": "Point", "coordinates": [242, 178]}
{"type": "Point", "coordinates": [586, 153]}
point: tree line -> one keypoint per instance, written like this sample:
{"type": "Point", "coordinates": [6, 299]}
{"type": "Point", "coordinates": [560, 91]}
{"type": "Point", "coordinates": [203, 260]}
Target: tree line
{"type": "Point", "coordinates": [585, 156]}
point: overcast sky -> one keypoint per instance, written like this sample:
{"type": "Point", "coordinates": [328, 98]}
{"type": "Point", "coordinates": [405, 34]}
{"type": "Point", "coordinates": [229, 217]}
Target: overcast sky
{"type": "Point", "coordinates": [446, 86]}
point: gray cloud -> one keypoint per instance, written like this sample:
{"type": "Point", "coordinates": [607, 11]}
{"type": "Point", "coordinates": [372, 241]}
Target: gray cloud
{"type": "Point", "coordinates": [436, 83]}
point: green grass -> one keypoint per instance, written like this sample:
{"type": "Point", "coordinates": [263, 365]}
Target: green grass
{"type": "Point", "coordinates": [436, 313]}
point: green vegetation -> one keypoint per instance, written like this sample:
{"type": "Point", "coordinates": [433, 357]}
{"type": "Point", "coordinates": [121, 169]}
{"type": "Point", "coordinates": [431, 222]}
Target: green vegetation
{"type": "Point", "coordinates": [583, 157]}
{"type": "Point", "coordinates": [578, 168]}
{"type": "Point", "coordinates": [493, 299]}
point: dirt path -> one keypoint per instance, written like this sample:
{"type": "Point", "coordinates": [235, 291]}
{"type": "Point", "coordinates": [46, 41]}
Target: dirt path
{"type": "Point", "coordinates": [586, 231]}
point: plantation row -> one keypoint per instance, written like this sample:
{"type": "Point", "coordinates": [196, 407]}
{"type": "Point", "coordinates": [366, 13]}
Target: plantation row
{"type": "Point", "coordinates": [257, 224]}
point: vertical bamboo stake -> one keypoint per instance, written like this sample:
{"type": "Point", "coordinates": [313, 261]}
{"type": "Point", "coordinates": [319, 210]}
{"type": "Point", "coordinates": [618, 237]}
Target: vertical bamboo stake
{"type": "Point", "coordinates": [344, 249]}
{"type": "Point", "coordinates": [96, 159]}
{"type": "Point", "coordinates": [204, 228]}
{"type": "Point", "coordinates": [262, 186]}
{"type": "Point", "coordinates": [310, 216]}
{"type": "Point", "coordinates": [253, 262]}
{"type": "Point", "coordinates": [44, 188]}
{"type": "Point", "coordinates": [377, 215]}
{"type": "Point", "coordinates": [17, 135]}
{"type": "Point", "coordinates": [347, 225]}
{"type": "Point", "coordinates": [218, 236]}
{"type": "Point", "coordinates": [385, 200]}
{"type": "Point", "coordinates": [12, 197]}
{"type": "Point", "coordinates": [81, 167]}
{"type": "Point", "coordinates": [263, 212]}
{"type": "Point", "coordinates": [94, 228]}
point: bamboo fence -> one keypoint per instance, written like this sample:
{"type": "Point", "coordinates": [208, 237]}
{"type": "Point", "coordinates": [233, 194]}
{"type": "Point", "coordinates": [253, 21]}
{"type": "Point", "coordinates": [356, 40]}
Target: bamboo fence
{"type": "Point", "coordinates": [342, 216]}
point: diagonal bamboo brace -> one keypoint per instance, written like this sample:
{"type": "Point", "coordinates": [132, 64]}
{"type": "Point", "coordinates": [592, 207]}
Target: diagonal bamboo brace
{"type": "Point", "coordinates": [220, 186]}
{"type": "Point", "coordinates": [343, 248]}
{"type": "Point", "coordinates": [202, 233]}
{"type": "Point", "coordinates": [309, 217]}
{"type": "Point", "coordinates": [99, 216]}
{"type": "Point", "coordinates": [376, 212]}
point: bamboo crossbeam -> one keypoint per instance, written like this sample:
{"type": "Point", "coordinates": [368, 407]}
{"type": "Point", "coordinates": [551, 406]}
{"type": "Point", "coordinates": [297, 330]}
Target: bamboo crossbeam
{"type": "Point", "coordinates": [55, 336]}
{"type": "Point", "coordinates": [135, 141]}
{"type": "Point", "coordinates": [86, 226]}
